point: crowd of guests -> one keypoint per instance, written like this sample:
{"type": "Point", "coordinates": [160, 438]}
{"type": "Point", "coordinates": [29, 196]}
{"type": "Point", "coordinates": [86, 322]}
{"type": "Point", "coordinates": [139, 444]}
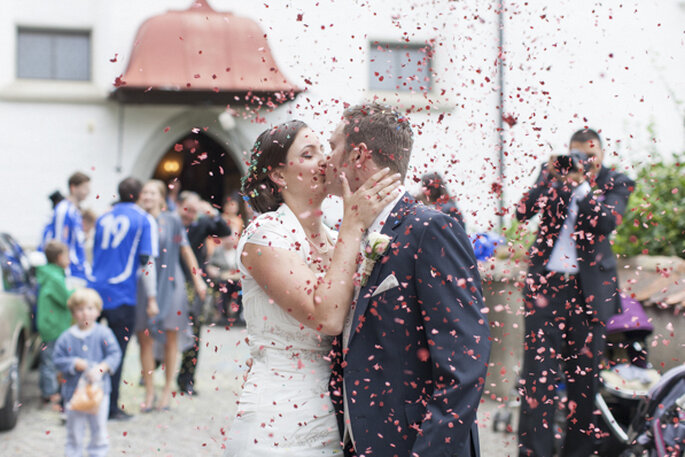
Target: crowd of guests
{"type": "Point", "coordinates": [146, 267]}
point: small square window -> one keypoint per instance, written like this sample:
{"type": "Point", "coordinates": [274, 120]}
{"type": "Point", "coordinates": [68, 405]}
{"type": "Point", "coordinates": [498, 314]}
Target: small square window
{"type": "Point", "coordinates": [400, 67]}
{"type": "Point", "coordinates": [53, 54]}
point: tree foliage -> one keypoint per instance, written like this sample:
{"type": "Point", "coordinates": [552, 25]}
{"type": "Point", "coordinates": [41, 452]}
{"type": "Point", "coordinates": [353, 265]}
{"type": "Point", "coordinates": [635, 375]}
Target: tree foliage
{"type": "Point", "coordinates": [654, 222]}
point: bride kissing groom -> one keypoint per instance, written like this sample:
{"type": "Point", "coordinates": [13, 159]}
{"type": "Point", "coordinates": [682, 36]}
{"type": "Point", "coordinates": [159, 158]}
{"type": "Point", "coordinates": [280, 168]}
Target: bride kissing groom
{"type": "Point", "coordinates": [370, 341]}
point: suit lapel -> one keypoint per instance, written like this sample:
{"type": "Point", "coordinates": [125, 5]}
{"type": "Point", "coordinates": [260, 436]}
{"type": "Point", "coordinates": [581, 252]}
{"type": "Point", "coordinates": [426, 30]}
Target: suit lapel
{"type": "Point", "coordinates": [391, 228]}
{"type": "Point", "coordinates": [602, 177]}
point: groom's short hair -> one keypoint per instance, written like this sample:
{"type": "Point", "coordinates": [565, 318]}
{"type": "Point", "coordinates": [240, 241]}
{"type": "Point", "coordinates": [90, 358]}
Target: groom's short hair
{"type": "Point", "coordinates": [385, 132]}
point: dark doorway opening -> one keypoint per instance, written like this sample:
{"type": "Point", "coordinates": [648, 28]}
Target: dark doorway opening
{"type": "Point", "coordinates": [199, 163]}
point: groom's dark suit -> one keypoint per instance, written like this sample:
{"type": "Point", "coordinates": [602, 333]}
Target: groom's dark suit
{"type": "Point", "coordinates": [417, 356]}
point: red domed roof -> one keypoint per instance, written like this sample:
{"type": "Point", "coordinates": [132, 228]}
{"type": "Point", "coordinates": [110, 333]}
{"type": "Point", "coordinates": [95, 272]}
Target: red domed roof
{"type": "Point", "coordinates": [201, 55]}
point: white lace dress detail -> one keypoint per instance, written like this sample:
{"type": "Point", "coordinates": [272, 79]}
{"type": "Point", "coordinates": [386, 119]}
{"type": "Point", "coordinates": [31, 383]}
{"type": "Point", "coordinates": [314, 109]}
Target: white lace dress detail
{"type": "Point", "coordinates": [284, 408]}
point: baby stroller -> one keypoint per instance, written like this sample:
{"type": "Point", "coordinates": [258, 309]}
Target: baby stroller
{"type": "Point", "coordinates": [625, 381]}
{"type": "Point", "coordinates": [658, 427]}
{"type": "Point", "coordinates": [633, 398]}
{"type": "Point", "coordinates": [640, 412]}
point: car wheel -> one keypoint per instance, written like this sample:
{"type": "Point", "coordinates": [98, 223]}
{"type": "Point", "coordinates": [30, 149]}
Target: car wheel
{"type": "Point", "coordinates": [10, 413]}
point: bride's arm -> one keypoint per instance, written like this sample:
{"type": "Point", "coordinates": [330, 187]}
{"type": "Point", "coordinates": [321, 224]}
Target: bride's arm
{"type": "Point", "coordinates": [322, 303]}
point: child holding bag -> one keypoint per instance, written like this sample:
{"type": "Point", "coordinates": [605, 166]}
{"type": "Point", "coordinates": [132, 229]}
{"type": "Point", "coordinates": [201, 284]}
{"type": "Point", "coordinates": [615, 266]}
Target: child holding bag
{"type": "Point", "coordinates": [86, 354]}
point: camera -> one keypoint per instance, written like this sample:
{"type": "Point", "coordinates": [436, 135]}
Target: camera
{"type": "Point", "coordinates": [565, 164]}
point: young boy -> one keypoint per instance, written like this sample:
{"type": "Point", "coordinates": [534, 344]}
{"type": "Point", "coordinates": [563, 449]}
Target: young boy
{"type": "Point", "coordinates": [53, 316]}
{"type": "Point", "coordinates": [89, 349]}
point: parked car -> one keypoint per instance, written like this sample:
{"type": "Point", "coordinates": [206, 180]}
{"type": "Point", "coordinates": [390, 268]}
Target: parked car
{"type": "Point", "coordinates": [19, 340]}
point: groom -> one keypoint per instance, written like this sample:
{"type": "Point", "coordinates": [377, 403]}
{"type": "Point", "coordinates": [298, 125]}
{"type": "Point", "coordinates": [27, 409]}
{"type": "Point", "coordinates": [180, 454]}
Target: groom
{"type": "Point", "coordinates": [409, 369]}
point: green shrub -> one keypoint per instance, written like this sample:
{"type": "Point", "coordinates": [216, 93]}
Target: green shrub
{"type": "Point", "coordinates": [520, 236]}
{"type": "Point", "coordinates": [654, 222]}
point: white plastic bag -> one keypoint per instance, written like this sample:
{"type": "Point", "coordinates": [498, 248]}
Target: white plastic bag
{"type": "Point", "coordinates": [87, 396]}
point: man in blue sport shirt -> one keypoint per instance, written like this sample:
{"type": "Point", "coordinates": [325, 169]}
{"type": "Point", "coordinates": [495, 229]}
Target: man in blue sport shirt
{"type": "Point", "coordinates": [66, 226]}
{"type": "Point", "coordinates": [125, 239]}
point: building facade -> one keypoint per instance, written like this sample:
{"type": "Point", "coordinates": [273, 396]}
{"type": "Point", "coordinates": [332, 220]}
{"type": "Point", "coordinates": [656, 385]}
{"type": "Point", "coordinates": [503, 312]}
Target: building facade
{"type": "Point", "coordinates": [73, 94]}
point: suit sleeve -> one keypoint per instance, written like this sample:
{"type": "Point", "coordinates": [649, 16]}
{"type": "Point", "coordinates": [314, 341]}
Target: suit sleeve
{"type": "Point", "coordinates": [450, 296]}
{"type": "Point", "coordinates": [602, 216]}
{"type": "Point", "coordinates": [534, 200]}
{"type": "Point", "coordinates": [219, 227]}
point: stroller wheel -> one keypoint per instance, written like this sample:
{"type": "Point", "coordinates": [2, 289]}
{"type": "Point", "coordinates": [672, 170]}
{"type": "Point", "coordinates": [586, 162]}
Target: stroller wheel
{"type": "Point", "coordinates": [635, 451]}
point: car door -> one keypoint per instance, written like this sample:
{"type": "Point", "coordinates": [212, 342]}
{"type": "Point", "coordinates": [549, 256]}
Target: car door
{"type": "Point", "coordinates": [15, 308]}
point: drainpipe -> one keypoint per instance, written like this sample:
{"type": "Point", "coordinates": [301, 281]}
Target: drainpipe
{"type": "Point", "coordinates": [500, 117]}
{"type": "Point", "coordinates": [120, 139]}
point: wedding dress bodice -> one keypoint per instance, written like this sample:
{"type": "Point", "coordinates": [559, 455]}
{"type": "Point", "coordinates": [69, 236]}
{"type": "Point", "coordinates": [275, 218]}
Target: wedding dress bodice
{"type": "Point", "coordinates": [284, 408]}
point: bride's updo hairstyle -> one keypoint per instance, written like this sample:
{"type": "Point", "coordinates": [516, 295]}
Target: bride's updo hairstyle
{"type": "Point", "coordinates": [268, 153]}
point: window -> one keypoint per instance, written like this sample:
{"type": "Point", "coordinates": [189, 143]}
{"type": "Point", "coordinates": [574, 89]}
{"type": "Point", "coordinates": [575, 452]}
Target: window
{"type": "Point", "coordinates": [53, 54]}
{"type": "Point", "coordinates": [400, 67]}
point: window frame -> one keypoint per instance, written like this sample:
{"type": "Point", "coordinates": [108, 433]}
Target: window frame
{"type": "Point", "coordinates": [54, 33]}
{"type": "Point", "coordinates": [425, 47]}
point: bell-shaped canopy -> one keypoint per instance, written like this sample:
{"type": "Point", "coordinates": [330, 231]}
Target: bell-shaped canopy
{"type": "Point", "coordinates": [200, 55]}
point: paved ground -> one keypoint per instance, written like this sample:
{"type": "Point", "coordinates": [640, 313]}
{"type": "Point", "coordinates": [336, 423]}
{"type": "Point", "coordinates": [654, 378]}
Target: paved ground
{"type": "Point", "coordinates": [195, 426]}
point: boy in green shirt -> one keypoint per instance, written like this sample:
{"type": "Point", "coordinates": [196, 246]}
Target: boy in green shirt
{"type": "Point", "coordinates": [53, 316]}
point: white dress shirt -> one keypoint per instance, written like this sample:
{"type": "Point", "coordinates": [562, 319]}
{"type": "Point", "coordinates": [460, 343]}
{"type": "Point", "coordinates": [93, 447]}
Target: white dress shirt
{"type": "Point", "coordinates": [564, 256]}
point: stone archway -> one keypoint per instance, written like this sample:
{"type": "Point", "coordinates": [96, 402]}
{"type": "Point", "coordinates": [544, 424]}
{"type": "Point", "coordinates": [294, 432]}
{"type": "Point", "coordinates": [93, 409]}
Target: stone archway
{"type": "Point", "coordinates": [173, 142]}
{"type": "Point", "coordinates": [205, 119]}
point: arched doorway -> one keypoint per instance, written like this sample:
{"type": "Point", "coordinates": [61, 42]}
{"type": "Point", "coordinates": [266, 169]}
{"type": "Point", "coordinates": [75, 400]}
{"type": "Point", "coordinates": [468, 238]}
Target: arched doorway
{"type": "Point", "coordinates": [197, 162]}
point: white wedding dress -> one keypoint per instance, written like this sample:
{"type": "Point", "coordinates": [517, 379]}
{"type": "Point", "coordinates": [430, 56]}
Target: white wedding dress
{"type": "Point", "coordinates": [285, 408]}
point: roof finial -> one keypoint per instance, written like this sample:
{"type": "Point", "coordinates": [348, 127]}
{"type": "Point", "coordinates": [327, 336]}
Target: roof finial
{"type": "Point", "coordinates": [199, 5]}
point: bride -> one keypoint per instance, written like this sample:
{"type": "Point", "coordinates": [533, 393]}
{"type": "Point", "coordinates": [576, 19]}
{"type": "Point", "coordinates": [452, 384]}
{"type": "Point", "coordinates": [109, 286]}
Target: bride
{"type": "Point", "coordinates": [298, 284]}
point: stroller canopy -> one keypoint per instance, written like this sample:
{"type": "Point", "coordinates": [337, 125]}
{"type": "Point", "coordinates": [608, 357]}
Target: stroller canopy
{"type": "Point", "coordinates": [632, 318]}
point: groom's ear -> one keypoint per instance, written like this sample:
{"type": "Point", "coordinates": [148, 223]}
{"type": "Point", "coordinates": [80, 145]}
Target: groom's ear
{"type": "Point", "coordinates": [361, 155]}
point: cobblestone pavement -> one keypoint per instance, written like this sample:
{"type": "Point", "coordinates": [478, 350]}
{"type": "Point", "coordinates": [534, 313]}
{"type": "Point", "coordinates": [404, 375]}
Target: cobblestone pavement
{"type": "Point", "coordinates": [195, 426]}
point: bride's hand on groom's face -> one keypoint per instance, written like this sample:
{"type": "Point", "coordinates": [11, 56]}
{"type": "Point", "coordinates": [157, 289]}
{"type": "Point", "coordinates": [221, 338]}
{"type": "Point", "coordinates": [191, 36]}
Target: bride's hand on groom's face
{"type": "Point", "coordinates": [364, 205]}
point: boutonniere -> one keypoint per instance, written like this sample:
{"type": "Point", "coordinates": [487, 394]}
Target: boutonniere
{"type": "Point", "coordinates": [375, 247]}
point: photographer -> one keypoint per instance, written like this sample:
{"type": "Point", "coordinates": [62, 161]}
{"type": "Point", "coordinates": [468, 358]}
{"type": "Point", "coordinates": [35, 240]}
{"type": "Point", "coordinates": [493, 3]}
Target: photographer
{"type": "Point", "coordinates": [570, 292]}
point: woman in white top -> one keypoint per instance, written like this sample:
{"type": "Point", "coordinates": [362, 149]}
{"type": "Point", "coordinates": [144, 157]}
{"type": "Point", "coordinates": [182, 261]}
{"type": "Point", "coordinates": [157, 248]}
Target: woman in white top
{"type": "Point", "coordinates": [298, 284]}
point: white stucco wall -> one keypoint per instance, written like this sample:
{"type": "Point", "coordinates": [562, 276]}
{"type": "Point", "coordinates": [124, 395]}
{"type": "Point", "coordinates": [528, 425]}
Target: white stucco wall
{"type": "Point", "coordinates": [575, 51]}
